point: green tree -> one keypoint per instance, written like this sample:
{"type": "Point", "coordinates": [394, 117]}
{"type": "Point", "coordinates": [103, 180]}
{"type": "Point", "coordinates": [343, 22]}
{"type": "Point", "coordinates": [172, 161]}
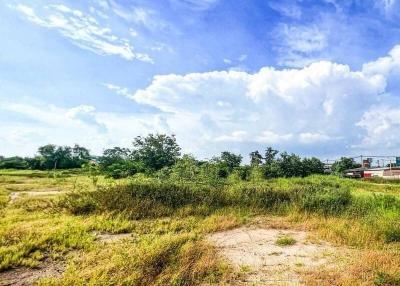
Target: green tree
{"type": "Point", "coordinates": [230, 160]}
{"type": "Point", "coordinates": [312, 166]}
{"type": "Point", "coordinates": [80, 155]}
{"type": "Point", "coordinates": [156, 151]}
{"type": "Point", "coordinates": [344, 164]}
{"type": "Point", "coordinates": [48, 154]}
{"type": "Point", "coordinates": [290, 165]}
{"type": "Point", "coordinates": [187, 168]}
{"type": "Point", "coordinates": [13, 163]}
{"type": "Point", "coordinates": [255, 158]}
{"type": "Point", "coordinates": [270, 155]}
{"type": "Point", "coordinates": [114, 155]}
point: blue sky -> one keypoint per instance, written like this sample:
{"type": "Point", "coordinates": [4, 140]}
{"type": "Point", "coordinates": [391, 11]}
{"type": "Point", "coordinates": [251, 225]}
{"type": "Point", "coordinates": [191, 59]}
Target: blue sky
{"type": "Point", "coordinates": [313, 77]}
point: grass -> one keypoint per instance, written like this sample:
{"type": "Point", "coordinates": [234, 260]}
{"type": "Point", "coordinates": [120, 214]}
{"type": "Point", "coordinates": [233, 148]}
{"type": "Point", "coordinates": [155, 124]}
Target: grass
{"type": "Point", "coordinates": [170, 220]}
{"type": "Point", "coordinates": [285, 240]}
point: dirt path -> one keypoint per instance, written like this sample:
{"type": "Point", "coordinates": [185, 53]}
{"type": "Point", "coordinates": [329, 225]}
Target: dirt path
{"type": "Point", "coordinates": [29, 276]}
{"type": "Point", "coordinates": [15, 195]}
{"type": "Point", "coordinates": [111, 237]}
{"type": "Point", "coordinates": [255, 253]}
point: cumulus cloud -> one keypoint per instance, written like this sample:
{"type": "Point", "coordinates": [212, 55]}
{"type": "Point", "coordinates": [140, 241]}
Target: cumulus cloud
{"type": "Point", "coordinates": [83, 30]}
{"type": "Point", "coordinates": [324, 107]}
{"type": "Point", "coordinates": [322, 104]}
{"type": "Point", "coordinates": [81, 124]}
{"type": "Point", "coordinates": [117, 89]}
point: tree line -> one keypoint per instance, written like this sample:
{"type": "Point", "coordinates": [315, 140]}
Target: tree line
{"type": "Point", "coordinates": [160, 155]}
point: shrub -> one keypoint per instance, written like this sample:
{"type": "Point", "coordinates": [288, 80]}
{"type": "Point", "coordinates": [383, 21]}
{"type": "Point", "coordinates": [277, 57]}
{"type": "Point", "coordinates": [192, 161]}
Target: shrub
{"type": "Point", "coordinates": [285, 240]}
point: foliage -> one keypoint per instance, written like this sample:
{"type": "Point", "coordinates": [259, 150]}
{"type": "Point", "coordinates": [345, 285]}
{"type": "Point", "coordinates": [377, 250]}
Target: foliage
{"type": "Point", "coordinates": [156, 151]}
{"type": "Point", "coordinates": [13, 163]}
{"type": "Point", "coordinates": [285, 240]}
{"type": "Point", "coordinates": [344, 164]}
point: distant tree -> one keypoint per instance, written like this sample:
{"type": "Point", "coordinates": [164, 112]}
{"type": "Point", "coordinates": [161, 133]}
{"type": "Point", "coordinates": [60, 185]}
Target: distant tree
{"type": "Point", "coordinates": [80, 155]}
{"type": "Point", "coordinates": [186, 168]}
{"type": "Point", "coordinates": [156, 151]}
{"type": "Point", "coordinates": [290, 165]}
{"type": "Point", "coordinates": [230, 160]}
{"type": "Point", "coordinates": [312, 166]}
{"type": "Point", "coordinates": [270, 155]}
{"type": "Point", "coordinates": [48, 153]}
{"type": "Point", "coordinates": [255, 158]}
{"type": "Point", "coordinates": [13, 163]}
{"type": "Point", "coordinates": [60, 157]}
{"type": "Point", "coordinates": [114, 155]}
{"type": "Point", "coordinates": [344, 164]}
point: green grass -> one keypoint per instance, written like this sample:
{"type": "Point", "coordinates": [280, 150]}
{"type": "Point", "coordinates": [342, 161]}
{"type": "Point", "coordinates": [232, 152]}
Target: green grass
{"type": "Point", "coordinates": [169, 221]}
{"type": "Point", "coordinates": [285, 240]}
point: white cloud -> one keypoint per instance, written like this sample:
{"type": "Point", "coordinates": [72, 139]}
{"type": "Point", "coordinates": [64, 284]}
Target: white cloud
{"type": "Point", "coordinates": [285, 107]}
{"type": "Point", "coordinates": [196, 5]}
{"type": "Point", "coordinates": [140, 16]}
{"type": "Point", "coordinates": [235, 136]}
{"type": "Point", "coordinates": [299, 45]}
{"type": "Point", "coordinates": [310, 138]}
{"type": "Point", "coordinates": [321, 106]}
{"type": "Point", "coordinates": [119, 90]}
{"type": "Point", "coordinates": [288, 9]}
{"type": "Point", "coordinates": [83, 30]}
{"type": "Point", "coordinates": [382, 126]}
{"type": "Point", "coordinates": [388, 7]}
{"type": "Point", "coordinates": [242, 57]}
{"type": "Point", "coordinates": [270, 137]}
{"type": "Point", "coordinates": [65, 126]}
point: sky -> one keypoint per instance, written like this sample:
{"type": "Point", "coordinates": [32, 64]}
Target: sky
{"type": "Point", "coordinates": [317, 78]}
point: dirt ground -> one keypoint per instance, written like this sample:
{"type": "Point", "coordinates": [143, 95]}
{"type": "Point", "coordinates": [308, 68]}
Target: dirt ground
{"type": "Point", "coordinates": [260, 260]}
{"type": "Point", "coordinates": [111, 238]}
{"type": "Point", "coordinates": [28, 276]}
{"type": "Point", "coordinates": [15, 195]}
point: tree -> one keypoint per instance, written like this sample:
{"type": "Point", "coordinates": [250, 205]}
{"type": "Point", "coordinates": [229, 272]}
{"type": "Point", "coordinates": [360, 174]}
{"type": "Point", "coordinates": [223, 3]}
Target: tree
{"type": "Point", "coordinates": [48, 153]}
{"type": "Point", "coordinates": [312, 166]}
{"type": "Point", "coordinates": [156, 151]}
{"type": "Point", "coordinates": [114, 155]}
{"type": "Point", "coordinates": [290, 165]}
{"type": "Point", "coordinates": [230, 160]}
{"type": "Point", "coordinates": [80, 155]}
{"type": "Point", "coordinates": [270, 155]}
{"type": "Point", "coordinates": [60, 157]}
{"type": "Point", "coordinates": [13, 163]}
{"type": "Point", "coordinates": [255, 158]}
{"type": "Point", "coordinates": [344, 164]}
{"type": "Point", "coordinates": [186, 168]}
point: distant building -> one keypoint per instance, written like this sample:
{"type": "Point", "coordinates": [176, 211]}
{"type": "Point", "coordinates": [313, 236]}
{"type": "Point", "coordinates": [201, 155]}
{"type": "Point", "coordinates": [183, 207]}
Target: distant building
{"type": "Point", "coordinates": [380, 172]}
{"type": "Point", "coordinates": [384, 172]}
{"type": "Point", "coordinates": [355, 173]}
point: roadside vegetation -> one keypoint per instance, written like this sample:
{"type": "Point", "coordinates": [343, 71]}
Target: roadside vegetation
{"type": "Point", "coordinates": [169, 203]}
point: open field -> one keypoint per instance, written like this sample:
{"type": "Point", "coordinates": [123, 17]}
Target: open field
{"type": "Point", "coordinates": [67, 228]}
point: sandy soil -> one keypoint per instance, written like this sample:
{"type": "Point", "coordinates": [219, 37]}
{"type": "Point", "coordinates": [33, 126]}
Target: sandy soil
{"type": "Point", "coordinates": [28, 276]}
{"type": "Point", "coordinates": [111, 238]}
{"type": "Point", "coordinates": [255, 254]}
{"type": "Point", "coordinates": [15, 195]}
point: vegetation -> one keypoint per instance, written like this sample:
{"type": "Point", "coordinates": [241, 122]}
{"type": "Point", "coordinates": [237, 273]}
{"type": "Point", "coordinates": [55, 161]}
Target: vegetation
{"type": "Point", "coordinates": [285, 240]}
{"type": "Point", "coordinates": [159, 155]}
{"type": "Point", "coordinates": [169, 219]}
{"type": "Point", "coordinates": [169, 204]}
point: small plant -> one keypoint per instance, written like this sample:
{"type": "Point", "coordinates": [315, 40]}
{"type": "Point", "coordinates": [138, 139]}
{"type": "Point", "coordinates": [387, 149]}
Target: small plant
{"type": "Point", "coordinates": [285, 240]}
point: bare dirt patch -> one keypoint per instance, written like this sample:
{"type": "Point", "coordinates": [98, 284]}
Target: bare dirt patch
{"type": "Point", "coordinates": [111, 237]}
{"type": "Point", "coordinates": [262, 261]}
{"type": "Point", "coordinates": [15, 195]}
{"type": "Point", "coordinates": [29, 276]}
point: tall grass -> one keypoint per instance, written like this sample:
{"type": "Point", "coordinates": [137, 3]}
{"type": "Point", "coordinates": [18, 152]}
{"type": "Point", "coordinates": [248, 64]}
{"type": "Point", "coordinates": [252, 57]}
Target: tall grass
{"type": "Point", "coordinates": [152, 199]}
